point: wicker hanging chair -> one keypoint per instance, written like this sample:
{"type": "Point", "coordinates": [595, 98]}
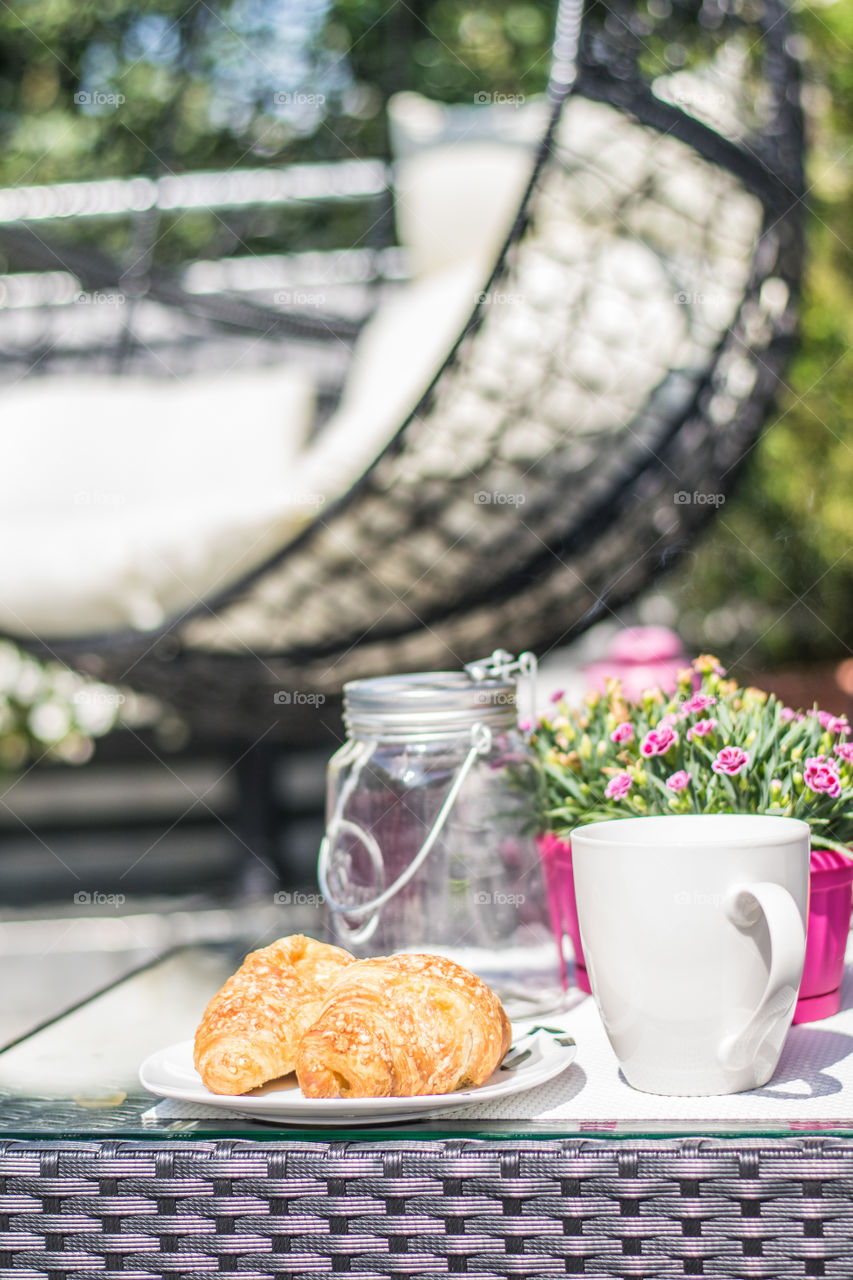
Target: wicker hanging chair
{"type": "Point", "coordinates": [573, 443]}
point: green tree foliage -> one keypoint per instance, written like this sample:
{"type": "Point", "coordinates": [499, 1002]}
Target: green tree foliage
{"type": "Point", "coordinates": [772, 580]}
{"type": "Point", "coordinates": [120, 87]}
{"type": "Point", "coordinates": [145, 86]}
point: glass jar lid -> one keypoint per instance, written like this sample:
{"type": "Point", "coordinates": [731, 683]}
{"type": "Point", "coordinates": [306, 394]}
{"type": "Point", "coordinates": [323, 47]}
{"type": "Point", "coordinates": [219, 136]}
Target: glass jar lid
{"type": "Point", "coordinates": [428, 705]}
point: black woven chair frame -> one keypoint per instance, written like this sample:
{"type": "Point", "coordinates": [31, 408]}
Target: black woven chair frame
{"type": "Point", "coordinates": [313, 616]}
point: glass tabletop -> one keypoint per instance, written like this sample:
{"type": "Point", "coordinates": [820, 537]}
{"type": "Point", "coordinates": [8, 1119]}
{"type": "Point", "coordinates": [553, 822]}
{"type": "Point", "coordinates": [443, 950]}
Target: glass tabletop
{"type": "Point", "coordinates": [77, 1076]}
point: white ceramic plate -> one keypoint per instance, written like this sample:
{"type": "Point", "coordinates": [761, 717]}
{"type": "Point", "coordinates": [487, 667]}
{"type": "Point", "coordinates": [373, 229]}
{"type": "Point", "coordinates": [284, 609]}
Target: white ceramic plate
{"type": "Point", "coordinates": [538, 1054]}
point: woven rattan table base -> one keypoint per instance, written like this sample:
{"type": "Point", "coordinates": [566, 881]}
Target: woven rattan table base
{"type": "Point", "coordinates": [287, 1209]}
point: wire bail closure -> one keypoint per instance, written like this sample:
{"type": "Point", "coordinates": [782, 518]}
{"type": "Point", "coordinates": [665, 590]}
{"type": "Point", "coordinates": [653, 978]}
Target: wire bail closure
{"type": "Point", "coordinates": [503, 665]}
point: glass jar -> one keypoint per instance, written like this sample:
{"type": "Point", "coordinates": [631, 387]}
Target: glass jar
{"type": "Point", "coordinates": [431, 821]}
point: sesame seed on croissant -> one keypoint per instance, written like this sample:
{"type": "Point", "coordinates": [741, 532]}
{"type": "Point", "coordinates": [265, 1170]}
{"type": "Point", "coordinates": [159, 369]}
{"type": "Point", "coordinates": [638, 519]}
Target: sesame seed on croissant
{"type": "Point", "coordinates": [250, 1030]}
{"type": "Point", "coordinates": [402, 1026]}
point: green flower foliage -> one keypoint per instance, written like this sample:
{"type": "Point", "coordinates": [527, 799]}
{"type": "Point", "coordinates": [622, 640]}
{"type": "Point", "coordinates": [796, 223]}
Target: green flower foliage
{"type": "Point", "coordinates": [718, 749]}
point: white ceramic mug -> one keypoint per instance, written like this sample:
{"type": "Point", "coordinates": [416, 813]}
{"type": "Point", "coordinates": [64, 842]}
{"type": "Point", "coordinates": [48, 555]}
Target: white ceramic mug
{"type": "Point", "coordinates": [693, 929]}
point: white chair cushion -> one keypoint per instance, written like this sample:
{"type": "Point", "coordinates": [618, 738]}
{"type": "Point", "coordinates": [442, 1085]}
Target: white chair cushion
{"type": "Point", "coordinates": [127, 499]}
{"type": "Point", "coordinates": [459, 176]}
{"type": "Point", "coordinates": [396, 358]}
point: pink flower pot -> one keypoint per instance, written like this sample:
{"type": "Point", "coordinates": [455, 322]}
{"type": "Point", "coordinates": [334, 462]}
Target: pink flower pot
{"type": "Point", "coordinates": [830, 901]}
{"type": "Point", "coordinates": [556, 857]}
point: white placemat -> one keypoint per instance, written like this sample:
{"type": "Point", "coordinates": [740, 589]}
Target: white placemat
{"type": "Point", "coordinates": [168, 1109]}
{"type": "Point", "coordinates": [813, 1082]}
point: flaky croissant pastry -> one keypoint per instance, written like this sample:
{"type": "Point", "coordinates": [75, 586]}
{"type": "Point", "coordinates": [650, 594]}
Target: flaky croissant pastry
{"type": "Point", "coordinates": [251, 1029]}
{"type": "Point", "coordinates": [402, 1026]}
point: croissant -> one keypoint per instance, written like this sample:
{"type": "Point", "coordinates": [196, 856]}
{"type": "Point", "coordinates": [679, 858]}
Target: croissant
{"type": "Point", "coordinates": [402, 1026]}
{"type": "Point", "coordinates": [250, 1030]}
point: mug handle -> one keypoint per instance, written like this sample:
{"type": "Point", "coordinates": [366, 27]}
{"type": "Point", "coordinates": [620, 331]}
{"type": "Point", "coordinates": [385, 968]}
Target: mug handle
{"type": "Point", "coordinates": [745, 905]}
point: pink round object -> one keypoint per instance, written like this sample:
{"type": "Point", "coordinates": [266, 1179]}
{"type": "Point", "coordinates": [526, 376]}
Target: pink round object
{"type": "Point", "coordinates": [645, 645]}
{"type": "Point", "coordinates": [635, 679]}
{"type": "Point", "coordinates": [640, 658]}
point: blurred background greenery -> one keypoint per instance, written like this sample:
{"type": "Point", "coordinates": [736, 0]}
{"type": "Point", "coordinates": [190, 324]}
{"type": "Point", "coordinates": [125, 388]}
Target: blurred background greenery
{"type": "Point", "coordinates": [146, 86]}
{"type": "Point", "coordinates": [772, 581]}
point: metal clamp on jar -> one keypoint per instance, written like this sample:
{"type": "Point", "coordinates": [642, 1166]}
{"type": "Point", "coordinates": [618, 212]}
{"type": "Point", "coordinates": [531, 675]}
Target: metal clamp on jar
{"type": "Point", "coordinates": [432, 808]}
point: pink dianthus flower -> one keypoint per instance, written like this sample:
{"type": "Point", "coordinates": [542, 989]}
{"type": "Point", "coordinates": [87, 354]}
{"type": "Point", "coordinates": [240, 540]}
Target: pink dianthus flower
{"type": "Point", "coordinates": [658, 741]}
{"type": "Point", "coordinates": [730, 761]}
{"type": "Point", "coordinates": [618, 787]}
{"type": "Point", "coordinates": [821, 776]}
{"type": "Point", "coordinates": [698, 702]}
